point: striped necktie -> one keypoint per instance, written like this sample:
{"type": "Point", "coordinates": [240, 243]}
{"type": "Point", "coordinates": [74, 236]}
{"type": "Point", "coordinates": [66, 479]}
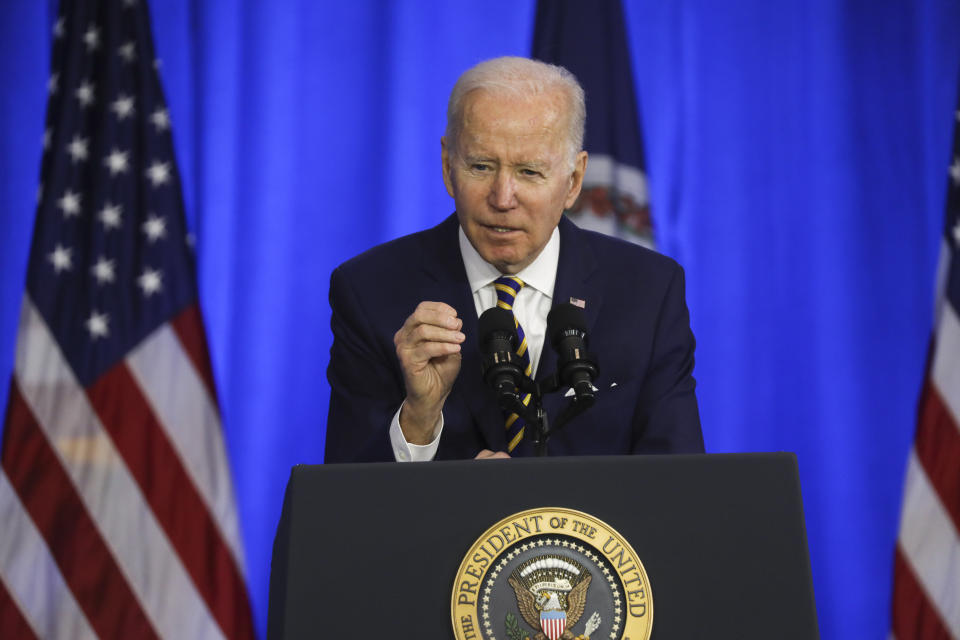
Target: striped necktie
{"type": "Point", "coordinates": [507, 289]}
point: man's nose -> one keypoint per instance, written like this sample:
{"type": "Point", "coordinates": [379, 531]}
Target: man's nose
{"type": "Point", "coordinates": [503, 191]}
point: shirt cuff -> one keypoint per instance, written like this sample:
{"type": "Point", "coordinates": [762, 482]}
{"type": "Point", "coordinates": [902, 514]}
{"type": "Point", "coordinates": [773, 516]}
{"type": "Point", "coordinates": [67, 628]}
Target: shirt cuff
{"type": "Point", "coordinates": [403, 451]}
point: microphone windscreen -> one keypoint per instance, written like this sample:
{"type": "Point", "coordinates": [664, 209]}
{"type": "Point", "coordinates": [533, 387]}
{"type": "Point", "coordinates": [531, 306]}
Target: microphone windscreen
{"type": "Point", "coordinates": [562, 317]}
{"type": "Point", "coordinates": [496, 320]}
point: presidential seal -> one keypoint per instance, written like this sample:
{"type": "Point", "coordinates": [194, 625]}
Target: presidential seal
{"type": "Point", "coordinates": [551, 574]}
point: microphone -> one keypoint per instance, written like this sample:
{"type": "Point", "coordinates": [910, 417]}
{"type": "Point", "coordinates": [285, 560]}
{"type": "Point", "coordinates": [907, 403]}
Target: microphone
{"type": "Point", "coordinates": [576, 367]}
{"type": "Point", "coordinates": [502, 367]}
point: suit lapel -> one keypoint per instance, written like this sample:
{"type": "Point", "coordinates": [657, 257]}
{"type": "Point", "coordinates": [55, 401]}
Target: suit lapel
{"type": "Point", "coordinates": [577, 266]}
{"type": "Point", "coordinates": [470, 396]}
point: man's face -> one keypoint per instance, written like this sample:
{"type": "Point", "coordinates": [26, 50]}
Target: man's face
{"type": "Point", "coordinates": [510, 176]}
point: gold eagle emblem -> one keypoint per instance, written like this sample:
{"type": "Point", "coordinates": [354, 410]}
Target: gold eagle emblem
{"type": "Point", "coordinates": [550, 583]}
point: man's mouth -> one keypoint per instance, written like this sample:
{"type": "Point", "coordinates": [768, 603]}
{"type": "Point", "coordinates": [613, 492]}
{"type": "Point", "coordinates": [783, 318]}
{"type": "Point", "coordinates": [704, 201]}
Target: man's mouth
{"type": "Point", "coordinates": [500, 229]}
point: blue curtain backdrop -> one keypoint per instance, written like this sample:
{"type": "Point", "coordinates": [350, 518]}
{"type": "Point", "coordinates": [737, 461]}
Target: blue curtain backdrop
{"type": "Point", "coordinates": [797, 153]}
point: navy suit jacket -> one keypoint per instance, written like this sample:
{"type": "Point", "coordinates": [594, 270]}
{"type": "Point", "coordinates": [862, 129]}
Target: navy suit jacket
{"type": "Point", "coordinates": [638, 328]}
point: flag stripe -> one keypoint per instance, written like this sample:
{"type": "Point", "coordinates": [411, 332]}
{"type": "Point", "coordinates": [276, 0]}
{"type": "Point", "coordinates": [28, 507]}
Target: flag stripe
{"type": "Point", "coordinates": [48, 495]}
{"type": "Point", "coordinates": [33, 577]}
{"type": "Point", "coordinates": [938, 448]}
{"type": "Point", "coordinates": [940, 285]}
{"type": "Point", "coordinates": [945, 372]}
{"type": "Point", "coordinates": [913, 617]}
{"type": "Point", "coordinates": [931, 545]}
{"type": "Point", "coordinates": [163, 370]}
{"type": "Point", "coordinates": [111, 495]}
{"type": "Point", "coordinates": [12, 623]}
{"type": "Point", "coordinates": [157, 468]}
{"type": "Point", "coordinates": [188, 324]}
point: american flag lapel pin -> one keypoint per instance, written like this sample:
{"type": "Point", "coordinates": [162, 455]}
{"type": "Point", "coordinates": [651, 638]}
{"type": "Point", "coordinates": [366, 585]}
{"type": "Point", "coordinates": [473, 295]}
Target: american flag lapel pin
{"type": "Point", "coordinates": [577, 302]}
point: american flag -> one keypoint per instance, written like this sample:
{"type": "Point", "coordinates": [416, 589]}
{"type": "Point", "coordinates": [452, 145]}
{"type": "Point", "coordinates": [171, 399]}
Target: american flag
{"type": "Point", "coordinates": [116, 501]}
{"type": "Point", "coordinates": [926, 576]}
{"type": "Point", "coordinates": [590, 40]}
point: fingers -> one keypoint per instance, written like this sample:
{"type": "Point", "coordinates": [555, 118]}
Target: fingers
{"type": "Point", "coordinates": [431, 331]}
{"type": "Point", "coordinates": [486, 454]}
{"type": "Point", "coordinates": [433, 314]}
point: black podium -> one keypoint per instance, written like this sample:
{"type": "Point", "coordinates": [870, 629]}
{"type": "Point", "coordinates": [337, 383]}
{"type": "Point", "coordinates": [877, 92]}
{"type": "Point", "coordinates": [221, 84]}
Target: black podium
{"type": "Point", "coordinates": [372, 550]}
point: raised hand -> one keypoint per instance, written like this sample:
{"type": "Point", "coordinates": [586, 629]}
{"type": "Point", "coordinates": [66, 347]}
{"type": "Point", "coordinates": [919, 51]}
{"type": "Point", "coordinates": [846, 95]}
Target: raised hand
{"type": "Point", "coordinates": [428, 347]}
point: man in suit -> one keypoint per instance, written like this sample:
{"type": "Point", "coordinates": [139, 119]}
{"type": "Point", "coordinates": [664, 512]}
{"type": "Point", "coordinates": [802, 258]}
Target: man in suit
{"type": "Point", "coordinates": [405, 371]}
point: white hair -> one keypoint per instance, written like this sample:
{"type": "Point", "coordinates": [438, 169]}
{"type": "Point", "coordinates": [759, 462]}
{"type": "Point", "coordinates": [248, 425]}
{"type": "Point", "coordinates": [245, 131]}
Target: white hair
{"type": "Point", "coordinates": [520, 77]}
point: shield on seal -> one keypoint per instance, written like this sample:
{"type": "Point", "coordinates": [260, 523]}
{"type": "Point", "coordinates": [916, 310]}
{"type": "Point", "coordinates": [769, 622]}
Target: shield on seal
{"type": "Point", "coordinates": [553, 623]}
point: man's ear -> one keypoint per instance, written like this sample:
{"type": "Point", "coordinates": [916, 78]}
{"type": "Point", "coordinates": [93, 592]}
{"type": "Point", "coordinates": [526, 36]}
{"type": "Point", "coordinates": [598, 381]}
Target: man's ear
{"type": "Point", "coordinates": [576, 179]}
{"type": "Point", "coordinates": [445, 157]}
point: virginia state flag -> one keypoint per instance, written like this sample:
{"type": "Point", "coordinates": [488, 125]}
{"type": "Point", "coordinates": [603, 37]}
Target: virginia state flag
{"type": "Point", "coordinates": [590, 39]}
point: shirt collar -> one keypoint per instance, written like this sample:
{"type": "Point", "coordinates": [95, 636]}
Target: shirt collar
{"type": "Point", "coordinates": [541, 274]}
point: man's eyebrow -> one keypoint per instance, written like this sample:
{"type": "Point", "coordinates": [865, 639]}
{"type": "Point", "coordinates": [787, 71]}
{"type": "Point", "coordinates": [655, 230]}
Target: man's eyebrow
{"type": "Point", "coordinates": [477, 158]}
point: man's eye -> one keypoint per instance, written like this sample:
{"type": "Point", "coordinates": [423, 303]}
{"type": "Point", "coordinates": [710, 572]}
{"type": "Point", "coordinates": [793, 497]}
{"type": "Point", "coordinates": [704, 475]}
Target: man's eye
{"type": "Point", "coordinates": [480, 166]}
{"type": "Point", "coordinates": [530, 173]}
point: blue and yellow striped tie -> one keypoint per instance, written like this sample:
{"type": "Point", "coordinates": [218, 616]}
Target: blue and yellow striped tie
{"type": "Point", "coordinates": [507, 289]}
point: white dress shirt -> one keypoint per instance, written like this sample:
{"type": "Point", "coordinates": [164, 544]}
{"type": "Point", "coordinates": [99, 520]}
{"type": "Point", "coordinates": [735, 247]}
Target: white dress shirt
{"type": "Point", "coordinates": [531, 307]}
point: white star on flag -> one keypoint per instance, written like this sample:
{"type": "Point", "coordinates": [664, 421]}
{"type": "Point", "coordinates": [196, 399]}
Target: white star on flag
{"type": "Point", "coordinates": [98, 325]}
{"type": "Point", "coordinates": [92, 38]}
{"type": "Point", "coordinates": [155, 227]}
{"type": "Point", "coordinates": [61, 259]}
{"type": "Point", "coordinates": [85, 94]}
{"type": "Point", "coordinates": [151, 281]}
{"type": "Point", "coordinates": [103, 270]}
{"type": "Point", "coordinates": [127, 51]}
{"type": "Point", "coordinates": [160, 119]}
{"type": "Point", "coordinates": [70, 204]}
{"type": "Point", "coordinates": [58, 29]}
{"type": "Point", "coordinates": [123, 107]}
{"type": "Point", "coordinates": [110, 216]}
{"type": "Point", "coordinates": [158, 173]}
{"type": "Point", "coordinates": [47, 137]}
{"type": "Point", "coordinates": [53, 83]}
{"type": "Point", "coordinates": [78, 148]}
{"type": "Point", "coordinates": [955, 171]}
{"type": "Point", "coordinates": [116, 161]}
